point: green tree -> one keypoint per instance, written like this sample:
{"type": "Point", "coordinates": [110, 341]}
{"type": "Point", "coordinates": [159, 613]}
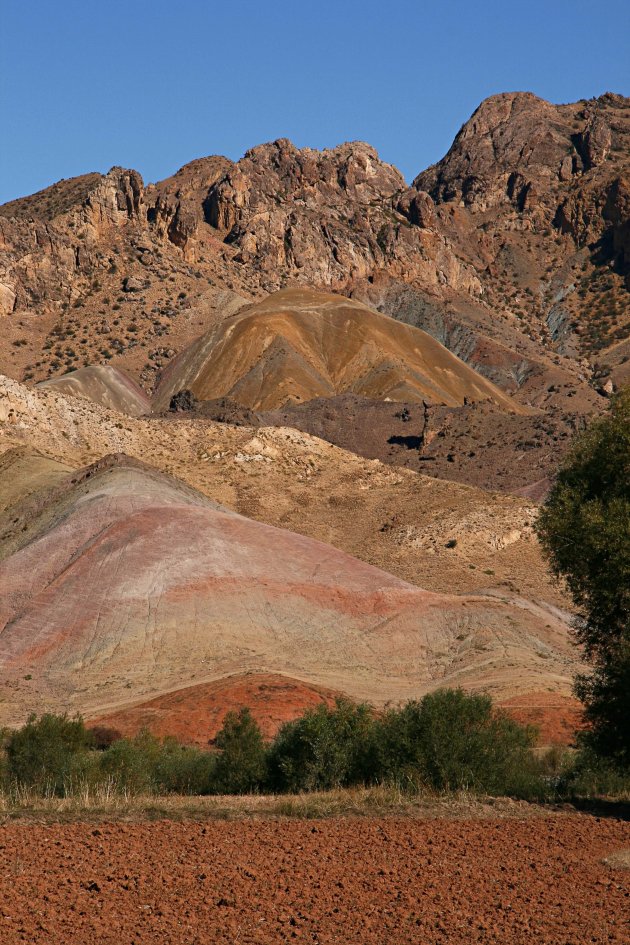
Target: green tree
{"type": "Point", "coordinates": [325, 748]}
{"type": "Point", "coordinates": [452, 740]}
{"type": "Point", "coordinates": [240, 764]}
{"type": "Point", "coordinates": [47, 754]}
{"type": "Point", "coordinates": [584, 529]}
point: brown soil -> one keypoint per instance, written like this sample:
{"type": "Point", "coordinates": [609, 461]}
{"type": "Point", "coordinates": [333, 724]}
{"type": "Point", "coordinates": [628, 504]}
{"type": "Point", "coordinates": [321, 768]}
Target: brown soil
{"type": "Point", "coordinates": [478, 444]}
{"type": "Point", "coordinates": [507, 882]}
{"type": "Point", "coordinates": [195, 714]}
{"type": "Point", "coordinates": [557, 717]}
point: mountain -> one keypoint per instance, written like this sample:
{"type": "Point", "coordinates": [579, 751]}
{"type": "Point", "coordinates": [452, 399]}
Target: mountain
{"type": "Point", "coordinates": [512, 251]}
{"type": "Point", "coordinates": [537, 196]}
{"type": "Point", "coordinates": [120, 582]}
{"type": "Point", "coordinates": [299, 344]}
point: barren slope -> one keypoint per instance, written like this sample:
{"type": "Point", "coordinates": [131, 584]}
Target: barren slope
{"type": "Point", "coordinates": [478, 444]}
{"type": "Point", "coordinates": [105, 385]}
{"type": "Point", "coordinates": [299, 344]}
{"type": "Point", "coordinates": [121, 582]}
{"type": "Point", "coordinates": [393, 518]}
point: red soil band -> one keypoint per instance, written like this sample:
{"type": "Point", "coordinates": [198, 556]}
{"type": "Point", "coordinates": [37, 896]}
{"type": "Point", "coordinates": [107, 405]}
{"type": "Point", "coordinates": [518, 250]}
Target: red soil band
{"type": "Point", "coordinates": [556, 717]}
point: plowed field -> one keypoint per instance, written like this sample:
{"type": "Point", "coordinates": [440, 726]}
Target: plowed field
{"type": "Point", "coordinates": [379, 881]}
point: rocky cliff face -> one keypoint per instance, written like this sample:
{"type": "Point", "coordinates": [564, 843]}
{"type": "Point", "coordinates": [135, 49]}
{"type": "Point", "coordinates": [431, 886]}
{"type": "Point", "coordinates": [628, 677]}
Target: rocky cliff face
{"type": "Point", "coordinates": [51, 243]}
{"type": "Point", "coordinates": [536, 197]}
{"type": "Point", "coordinates": [326, 218]}
{"type": "Point", "coordinates": [177, 206]}
{"type": "Point", "coordinates": [514, 250]}
{"type": "Point", "coordinates": [519, 152]}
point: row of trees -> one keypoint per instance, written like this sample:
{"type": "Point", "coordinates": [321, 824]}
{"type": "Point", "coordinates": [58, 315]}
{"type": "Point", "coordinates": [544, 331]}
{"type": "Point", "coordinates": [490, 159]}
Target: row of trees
{"type": "Point", "coordinates": [447, 741]}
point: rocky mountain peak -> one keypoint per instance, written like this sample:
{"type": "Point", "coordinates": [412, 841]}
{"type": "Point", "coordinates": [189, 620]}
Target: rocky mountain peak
{"type": "Point", "coordinates": [517, 149]}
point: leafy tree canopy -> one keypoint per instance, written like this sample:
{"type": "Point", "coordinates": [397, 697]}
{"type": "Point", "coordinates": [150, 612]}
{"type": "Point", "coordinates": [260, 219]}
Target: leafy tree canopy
{"type": "Point", "coordinates": [584, 529]}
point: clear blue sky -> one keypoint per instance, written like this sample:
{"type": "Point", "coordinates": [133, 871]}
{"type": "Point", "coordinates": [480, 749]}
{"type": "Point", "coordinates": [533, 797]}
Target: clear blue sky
{"type": "Point", "coordinates": [152, 84]}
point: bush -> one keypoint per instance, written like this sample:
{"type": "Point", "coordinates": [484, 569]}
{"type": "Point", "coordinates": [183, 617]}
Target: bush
{"type": "Point", "coordinates": [324, 749]}
{"type": "Point", "coordinates": [130, 763]}
{"type": "Point", "coordinates": [241, 764]}
{"type": "Point", "coordinates": [590, 775]}
{"type": "Point", "coordinates": [146, 765]}
{"type": "Point", "coordinates": [48, 755]}
{"type": "Point", "coordinates": [452, 741]}
{"type": "Point", "coordinates": [448, 741]}
{"type": "Point", "coordinates": [183, 769]}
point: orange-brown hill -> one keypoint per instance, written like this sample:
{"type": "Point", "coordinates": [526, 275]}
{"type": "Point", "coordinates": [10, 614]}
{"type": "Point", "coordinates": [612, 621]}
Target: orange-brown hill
{"type": "Point", "coordinates": [195, 714]}
{"type": "Point", "coordinates": [298, 344]}
{"type": "Point", "coordinates": [556, 717]}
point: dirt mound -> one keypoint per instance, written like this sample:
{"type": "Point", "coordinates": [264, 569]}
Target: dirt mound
{"type": "Point", "coordinates": [195, 714]}
{"type": "Point", "coordinates": [557, 717]}
{"type": "Point", "coordinates": [105, 385]}
{"type": "Point", "coordinates": [365, 881]}
{"type": "Point", "coordinates": [299, 344]}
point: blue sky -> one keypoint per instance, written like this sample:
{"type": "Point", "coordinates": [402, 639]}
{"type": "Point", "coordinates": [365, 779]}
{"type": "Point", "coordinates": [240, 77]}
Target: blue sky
{"type": "Point", "coordinates": [152, 84]}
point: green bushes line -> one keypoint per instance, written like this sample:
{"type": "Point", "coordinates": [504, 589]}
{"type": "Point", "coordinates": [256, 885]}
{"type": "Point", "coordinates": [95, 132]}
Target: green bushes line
{"type": "Point", "coordinates": [447, 741]}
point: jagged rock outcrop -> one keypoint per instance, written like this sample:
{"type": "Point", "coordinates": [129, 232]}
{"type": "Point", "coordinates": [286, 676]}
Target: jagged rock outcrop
{"type": "Point", "coordinates": [53, 243]}
{"type": "Point", "coordinates": [177, 205]}
{"type": "Point", "coordinates": [534, 196]}
{"type": "Point", "coordinates": [327, 217]}
{"type": "Point", "coordinates": [531, 164]}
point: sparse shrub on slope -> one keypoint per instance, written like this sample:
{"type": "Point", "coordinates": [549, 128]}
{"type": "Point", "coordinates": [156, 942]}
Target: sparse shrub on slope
{"type": "Point", "coordinates": [49, 755]}
{"type": "Point", "coordinates": [325, 748]}
{"type": "Point", "coordinates": [452, 741]}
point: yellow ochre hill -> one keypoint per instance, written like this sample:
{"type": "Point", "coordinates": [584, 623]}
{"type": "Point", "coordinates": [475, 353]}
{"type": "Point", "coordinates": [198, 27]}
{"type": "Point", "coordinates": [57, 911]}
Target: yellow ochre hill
{"type": "Point", "coordinates": [298, 344]}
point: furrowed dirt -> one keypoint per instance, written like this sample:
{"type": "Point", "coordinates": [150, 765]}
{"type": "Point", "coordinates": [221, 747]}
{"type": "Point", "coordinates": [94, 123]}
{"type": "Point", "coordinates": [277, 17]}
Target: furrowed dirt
{"type": "Point", "coordinates": [380, 881]}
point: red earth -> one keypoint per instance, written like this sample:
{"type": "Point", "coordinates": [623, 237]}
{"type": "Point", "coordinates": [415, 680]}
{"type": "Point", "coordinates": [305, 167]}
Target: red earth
{"type": "Point", "coordinates": [195, 714]}
{"type": "Point", "coordinates": [556, 717]}
{"type": "Point", "coordinates": [368, 881]}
